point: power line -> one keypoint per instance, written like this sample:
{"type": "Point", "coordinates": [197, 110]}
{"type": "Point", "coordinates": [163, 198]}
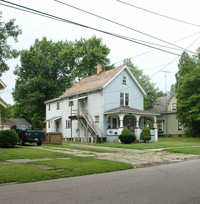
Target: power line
{"type": "Point", "coordinates": [144, 53]}
{"type": "Point", "coordinates": [33, 11]}
{"type": "Point", "coordinates": [119, 24]}
{"type": "Point", "coordinates": [158, 14]}
{"type": "Point", "coordinates": [174, 58]}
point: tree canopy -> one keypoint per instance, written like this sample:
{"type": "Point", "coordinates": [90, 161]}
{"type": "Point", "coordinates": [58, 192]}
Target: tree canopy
{"type": "Point", "coordinates": [188, 92]}
{"type": "Point", "coordinates": [49, 68]}
{"type": "Point", "coordinates": [7, 30]}
{"type": "Point", "coordinates": [152, 92]}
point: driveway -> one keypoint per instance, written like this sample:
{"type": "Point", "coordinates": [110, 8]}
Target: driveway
{"type": "Point", "coordinates": [138, 158]}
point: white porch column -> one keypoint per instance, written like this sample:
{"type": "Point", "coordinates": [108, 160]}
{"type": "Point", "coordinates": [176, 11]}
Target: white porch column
{"type": "Point", "coordinates": [137, 128]}
{"type": "Point", "coordinates": [155, 129]}
{"type": "Point", "coordinates": [121, 118]}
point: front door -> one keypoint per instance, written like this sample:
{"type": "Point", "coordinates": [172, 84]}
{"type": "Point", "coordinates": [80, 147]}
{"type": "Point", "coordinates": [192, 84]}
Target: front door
{"type": "Point", "coordinates": [131, 124]}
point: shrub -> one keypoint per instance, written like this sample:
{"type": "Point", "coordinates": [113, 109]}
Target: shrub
{"type": "Point", "coordinates": [146, 134]}
{"type": "Point", "coordinates": [126, 136]}
{"type": "Point", "coordinates": [8, 138]}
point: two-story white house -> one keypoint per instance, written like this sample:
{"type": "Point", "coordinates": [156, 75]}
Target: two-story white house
{"type": "Point", "coordinates": [99, 107]}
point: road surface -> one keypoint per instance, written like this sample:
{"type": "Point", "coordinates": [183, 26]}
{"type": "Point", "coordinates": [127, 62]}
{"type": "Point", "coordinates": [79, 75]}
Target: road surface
{"type": "Point", "coordinates": [177, 183]}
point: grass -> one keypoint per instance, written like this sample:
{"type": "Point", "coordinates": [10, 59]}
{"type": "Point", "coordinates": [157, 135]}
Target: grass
{"type": "Point", "coordinates": [28, 153]}
{"type": "Point", "coordinates": [67, 145]}
{"type": "Point", "coordinates": [185, 150]}
{"type": "Point", "coordinates": [162, 143]}
{"type": "Point", "coordinates": [58, 168]}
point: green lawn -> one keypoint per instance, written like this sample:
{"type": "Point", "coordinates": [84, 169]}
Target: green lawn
{"type": "Point", "coordinates": [162, 143]}
{"type": "Point", "coordinates": [185, 150]}
{"type": "Point", "coordinates": [50, 169]}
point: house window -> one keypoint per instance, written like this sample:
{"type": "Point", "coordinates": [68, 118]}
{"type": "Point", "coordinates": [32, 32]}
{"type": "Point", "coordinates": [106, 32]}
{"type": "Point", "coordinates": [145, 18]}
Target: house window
{"type": "Point", "coordinates": [68, 124]}
{"type": "Point", "coordinates": [173, 106]}
{"type": "Point", "coordinates": [58, 105]}
{"type": "Point", "coordinates": [71, 103]}
{"type": "Point", "coordinates": [124, 80]}
{"type": "Point", "coordinates": [124, 99]}
{"type": "Point", "coordinates": [179, 125]}
{"type": "Point", "coordinates": [96, 118]}
{"type": "Point", "coordinates": [49, 107]}
{"type": "Point", "coordinates": [160, 126]}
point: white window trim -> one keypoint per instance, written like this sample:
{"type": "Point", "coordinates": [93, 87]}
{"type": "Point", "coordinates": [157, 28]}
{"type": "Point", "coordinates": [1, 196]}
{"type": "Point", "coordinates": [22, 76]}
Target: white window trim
{"type": "Point", "coordinates": [124, 99]}
{"type": "Point", "coordinates": [174, 106]}
{"type": "Point", "coordinates": [58, 105]}
{"type": "Point", "coordinates": [179, 125]}
{"type": "Point", "coordinates": [124, 80]}
{"type": "Point", "coordinates": [97, 118]}
{"type": "Point", "coordinates": [67, 124]}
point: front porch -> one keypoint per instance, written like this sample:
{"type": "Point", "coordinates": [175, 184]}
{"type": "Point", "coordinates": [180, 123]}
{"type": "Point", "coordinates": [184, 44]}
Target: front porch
{"type": "Point", "coordinates": [133, 119]}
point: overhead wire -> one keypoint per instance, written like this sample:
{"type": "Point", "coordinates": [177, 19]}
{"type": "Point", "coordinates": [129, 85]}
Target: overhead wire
{"type": "Point", "coordinates": [114, 22]}
{"type": "Point", "coordinates": [173, 59]}
{"type": "Point", "coordinates": [138, 55]}
{"type": "Point", "coordinates": [158, 14]}
{"type": "Point", "coordinates": [33, 11]}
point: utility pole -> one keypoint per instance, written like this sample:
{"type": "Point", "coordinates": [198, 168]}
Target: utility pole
{"type": "Point", "coordinates": [166, 100]}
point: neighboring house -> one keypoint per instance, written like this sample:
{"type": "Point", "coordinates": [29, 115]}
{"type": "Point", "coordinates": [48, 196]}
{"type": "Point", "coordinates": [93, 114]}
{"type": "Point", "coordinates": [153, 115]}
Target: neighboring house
{"type": "Point", "coordinates": [168, 124]}
{"type": "Point", "coordinates": [100, 106]}
{"type": "Point", "coordinates": [6, 125]}
{"type": "Point", "coordinates": [2, 103]}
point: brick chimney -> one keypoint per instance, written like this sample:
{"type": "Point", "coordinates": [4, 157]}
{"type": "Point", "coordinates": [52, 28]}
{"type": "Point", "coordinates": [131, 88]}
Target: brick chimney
{"type": "Point", "coordinates": [99, 69]}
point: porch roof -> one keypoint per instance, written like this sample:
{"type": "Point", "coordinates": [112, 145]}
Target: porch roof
{"type": "Point", "coordinates": [128, 110]}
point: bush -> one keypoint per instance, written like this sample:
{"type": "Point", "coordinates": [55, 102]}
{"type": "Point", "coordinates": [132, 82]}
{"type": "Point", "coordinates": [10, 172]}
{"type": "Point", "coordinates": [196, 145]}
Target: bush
{"type": "Point", "coordinates": [126, 136]}
{"type": "Point", "coordinates": [146, 134]}
{"type": "Point", "coordinates": [8, 138]}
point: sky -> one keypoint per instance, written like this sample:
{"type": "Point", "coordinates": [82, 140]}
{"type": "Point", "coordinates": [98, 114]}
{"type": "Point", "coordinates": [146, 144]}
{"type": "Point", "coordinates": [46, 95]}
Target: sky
{"type": "Point", "coordinates": [160, 66]}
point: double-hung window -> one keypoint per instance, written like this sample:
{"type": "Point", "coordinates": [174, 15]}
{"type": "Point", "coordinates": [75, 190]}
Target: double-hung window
{"type": "Point", "coordinates": [180, 127]}
{"type": "Point", "coordinates": [124, 99]}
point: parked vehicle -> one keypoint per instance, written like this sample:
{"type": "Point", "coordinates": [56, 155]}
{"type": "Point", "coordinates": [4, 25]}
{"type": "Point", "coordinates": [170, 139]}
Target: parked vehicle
{"type": "Point", "coordinates": [27, 135]}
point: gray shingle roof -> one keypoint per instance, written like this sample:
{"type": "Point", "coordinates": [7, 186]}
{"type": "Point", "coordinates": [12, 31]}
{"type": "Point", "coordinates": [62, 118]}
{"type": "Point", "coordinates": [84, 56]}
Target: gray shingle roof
{"type": "Point", "coordinates": [92, 83]}
{"type": "Point", "coordinates": [127, 109]}
{"type": "Point", "coordinates": [16, 121]}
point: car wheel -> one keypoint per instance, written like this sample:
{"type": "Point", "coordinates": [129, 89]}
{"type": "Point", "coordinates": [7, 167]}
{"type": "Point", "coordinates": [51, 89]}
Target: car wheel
{"type": "Point", "coordinates": [39, 143]}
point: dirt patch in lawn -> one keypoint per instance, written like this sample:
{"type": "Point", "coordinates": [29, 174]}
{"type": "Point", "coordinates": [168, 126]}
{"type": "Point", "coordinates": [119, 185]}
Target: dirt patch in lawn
{"type": "Point", "coordinates": [138, 158]}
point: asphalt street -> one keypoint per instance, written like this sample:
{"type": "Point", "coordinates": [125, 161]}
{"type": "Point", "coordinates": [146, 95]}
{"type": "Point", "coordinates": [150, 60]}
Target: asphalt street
{"type": "Point", "coordinates": [176, 183]}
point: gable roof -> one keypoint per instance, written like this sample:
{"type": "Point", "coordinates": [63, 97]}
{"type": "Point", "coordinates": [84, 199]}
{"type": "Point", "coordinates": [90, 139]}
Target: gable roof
{"type": "Point", "coordinates": [92, 83]}
{"type": "Point", "coordinates": [161, 104]}
{"type": "Point", "coordinates": [96, 82]}
{"type": "Point", "coordinates": [16, 121]}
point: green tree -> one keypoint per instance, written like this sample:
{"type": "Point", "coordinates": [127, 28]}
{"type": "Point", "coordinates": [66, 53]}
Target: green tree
{"type": "Point", "coordinates": [85, 54]}
{"type": "Point", "coordinates": [147, 85]}
{"type": "Point", "coordinates": [188, 92]}
{"type": "Point", "coordinates": [48, 69]}
{"type": "Point", "coordinates": [7, 30]}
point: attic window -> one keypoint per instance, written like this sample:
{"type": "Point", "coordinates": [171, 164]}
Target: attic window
{"type": "Point", "coordinates": [49, 106]}
{"type": "Point", "coordinates": [173, 106]}
{"type": "Point", "coordinates": [124, 80]}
